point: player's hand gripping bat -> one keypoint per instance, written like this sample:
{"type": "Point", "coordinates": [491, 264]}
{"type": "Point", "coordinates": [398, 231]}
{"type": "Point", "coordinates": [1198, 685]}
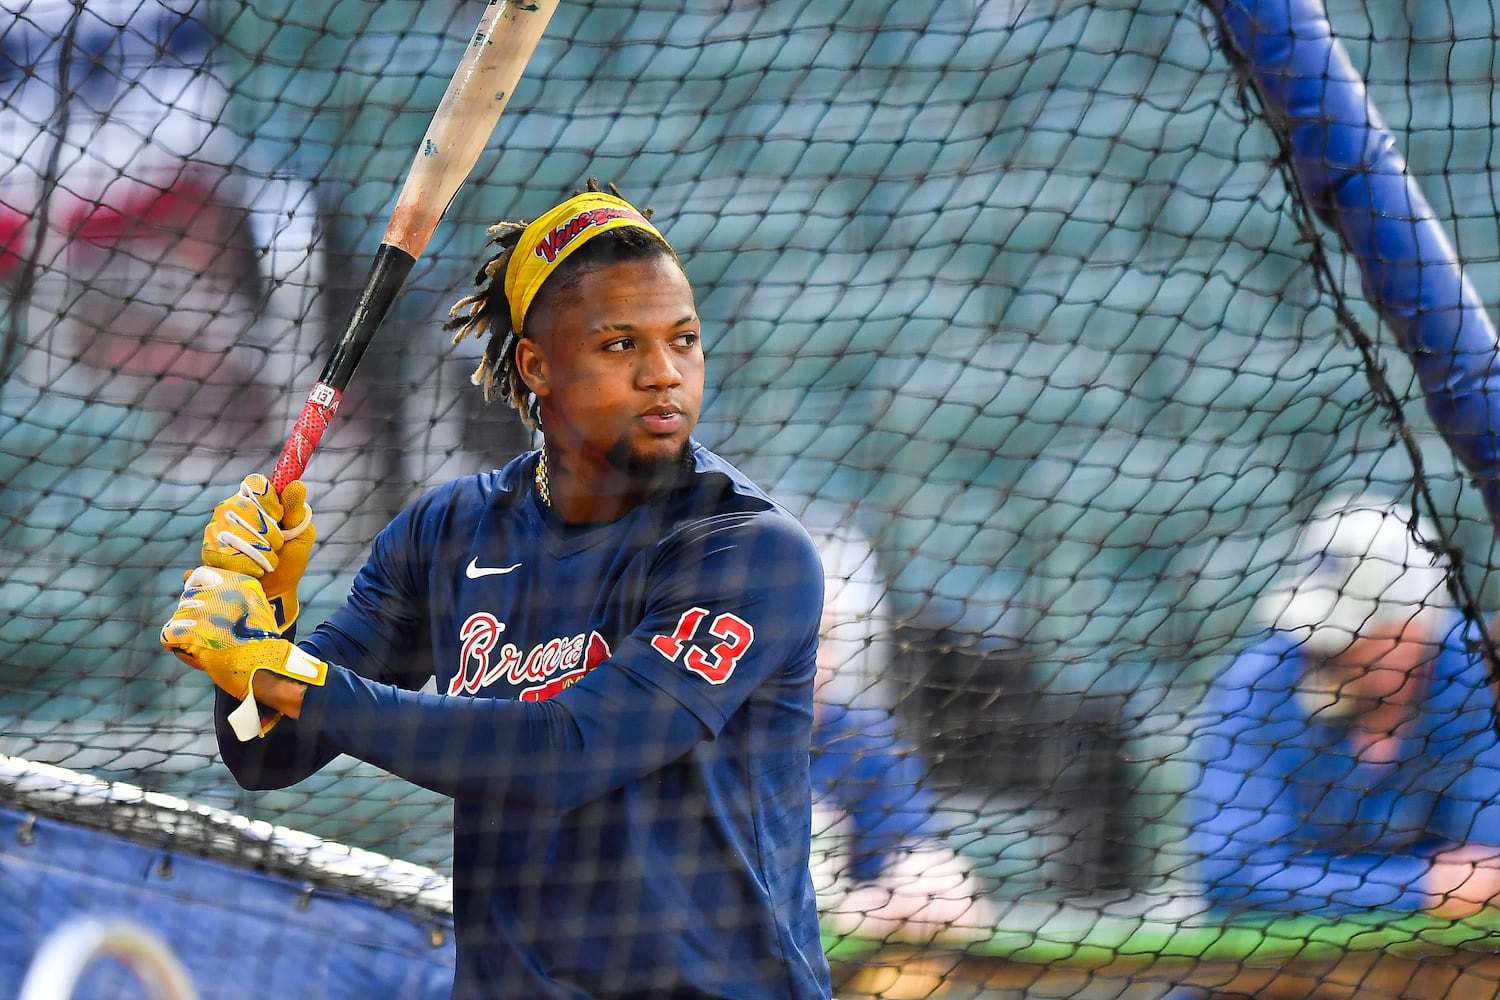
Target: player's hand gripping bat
{"type": "Point", "coordinates": [481, 87]}
{"type": "Point", "coordinates": [497, 54]}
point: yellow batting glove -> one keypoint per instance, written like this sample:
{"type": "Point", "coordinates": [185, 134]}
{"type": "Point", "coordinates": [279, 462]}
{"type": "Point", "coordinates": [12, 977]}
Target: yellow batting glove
{"type": "Point", "coordinates": [225, 627]}
{"type": "Point", "coordinates": [261, 534]}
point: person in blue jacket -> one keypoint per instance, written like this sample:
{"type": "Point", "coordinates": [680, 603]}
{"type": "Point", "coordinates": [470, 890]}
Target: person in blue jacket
{"type": "Point", "coordinates": [884, 864]}
{"type": "Point", "coordinates": [1348, 755]}
{"type": "Point", "coordinates": [622, 630]}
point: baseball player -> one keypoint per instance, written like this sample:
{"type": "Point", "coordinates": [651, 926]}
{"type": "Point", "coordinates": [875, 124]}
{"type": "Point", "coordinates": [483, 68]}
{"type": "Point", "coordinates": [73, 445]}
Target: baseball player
{"type": "Point", "coordinates": [1348, 759]}
{"type": "Point", "coordinates": [621, 627]}
{"type": "Point", "coordinates": [882, 862]}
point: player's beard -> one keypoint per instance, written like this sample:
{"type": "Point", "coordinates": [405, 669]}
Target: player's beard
{"type": "Point", "coordinates": [652, 472]}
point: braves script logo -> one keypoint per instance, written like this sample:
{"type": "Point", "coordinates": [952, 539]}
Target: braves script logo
{"type": "Point", "coordinates": [547, 667]}
{"type": "Point", "coordinates": [553, 243]}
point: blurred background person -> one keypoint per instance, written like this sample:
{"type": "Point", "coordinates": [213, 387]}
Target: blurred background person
{"type": "Point", "coordinates": [164, 323]}
{"type": "Point", "coordinates": [1348, 756]}
{"type": "Point", "coordinates": [882, 863]}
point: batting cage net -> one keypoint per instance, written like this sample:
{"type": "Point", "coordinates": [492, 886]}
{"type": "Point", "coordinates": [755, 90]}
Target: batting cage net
{"type": "Point", "coordinates": [1093, 342]}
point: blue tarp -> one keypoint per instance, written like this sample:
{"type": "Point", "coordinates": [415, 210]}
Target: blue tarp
{"type": "Point", "coordinates": [241, 934]}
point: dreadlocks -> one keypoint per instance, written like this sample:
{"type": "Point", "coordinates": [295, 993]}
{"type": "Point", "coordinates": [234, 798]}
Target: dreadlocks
{"type": "Point", "coordinates": [488, 312]}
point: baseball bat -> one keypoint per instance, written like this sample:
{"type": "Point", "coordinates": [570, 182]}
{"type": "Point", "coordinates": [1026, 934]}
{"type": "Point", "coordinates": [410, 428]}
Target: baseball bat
{"type": "Point", "coordinates": [497, 54]}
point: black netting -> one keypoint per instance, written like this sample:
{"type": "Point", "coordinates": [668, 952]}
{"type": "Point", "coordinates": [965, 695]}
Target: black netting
{"type": "Point", "coordinates": [1010, 300]}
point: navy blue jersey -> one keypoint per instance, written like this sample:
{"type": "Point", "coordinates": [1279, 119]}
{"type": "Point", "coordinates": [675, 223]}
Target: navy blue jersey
{"type": "Point", "coordinates": [623, 718]}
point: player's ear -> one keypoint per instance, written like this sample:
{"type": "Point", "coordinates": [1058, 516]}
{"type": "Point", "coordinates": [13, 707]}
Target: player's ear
{"type": "Point", "coordinates": [532, 366]}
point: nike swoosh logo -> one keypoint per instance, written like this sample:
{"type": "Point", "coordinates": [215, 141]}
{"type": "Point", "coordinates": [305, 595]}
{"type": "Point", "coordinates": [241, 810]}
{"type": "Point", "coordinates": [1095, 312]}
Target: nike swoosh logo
{"type": "Point", "coordinates": [474, 571]}
{"type": "Point", "coordinates": [242, 631]}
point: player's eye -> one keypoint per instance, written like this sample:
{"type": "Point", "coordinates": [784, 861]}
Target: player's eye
{"type": "Point", "coordinates": [619, 346]}
{"type": "Point", "coordinates": [686, 340]}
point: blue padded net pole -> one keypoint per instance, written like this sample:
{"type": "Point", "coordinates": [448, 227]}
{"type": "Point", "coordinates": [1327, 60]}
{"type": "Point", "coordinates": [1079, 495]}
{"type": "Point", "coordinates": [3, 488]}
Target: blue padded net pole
{"type": "Point", "coordinates": [1356, 181]}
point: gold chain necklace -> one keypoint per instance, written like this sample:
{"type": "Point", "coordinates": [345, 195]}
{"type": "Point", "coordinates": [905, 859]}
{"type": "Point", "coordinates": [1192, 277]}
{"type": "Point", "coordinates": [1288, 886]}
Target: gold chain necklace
{"type": "Point", "coordinates": [541, 479]}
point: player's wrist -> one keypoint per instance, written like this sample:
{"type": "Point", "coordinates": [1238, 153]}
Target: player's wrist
{"type": "Point", "coordinates": [278, 692]}
{"type": "Point", "coordinates": [280, 683]}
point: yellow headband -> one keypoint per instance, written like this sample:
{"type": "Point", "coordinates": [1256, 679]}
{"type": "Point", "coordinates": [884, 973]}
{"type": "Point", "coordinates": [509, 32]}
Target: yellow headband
{"type": "Point", "coordinates": [549, 240]}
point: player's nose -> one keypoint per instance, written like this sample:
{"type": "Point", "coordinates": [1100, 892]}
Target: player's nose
{"type": "Point", "coordinates": [658, 367]}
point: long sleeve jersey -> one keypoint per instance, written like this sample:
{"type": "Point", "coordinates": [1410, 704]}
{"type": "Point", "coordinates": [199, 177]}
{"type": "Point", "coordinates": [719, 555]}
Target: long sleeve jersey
{"type": "Point", "coordinates": [623, 718]}
{"type": "Point", "coordinates": [1284, 816]}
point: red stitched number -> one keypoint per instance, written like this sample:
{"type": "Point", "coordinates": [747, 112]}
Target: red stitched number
{"type": "Point", "coordinates": [670, 646]}
{"type": "Point", "coordinates": [719, 662]}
